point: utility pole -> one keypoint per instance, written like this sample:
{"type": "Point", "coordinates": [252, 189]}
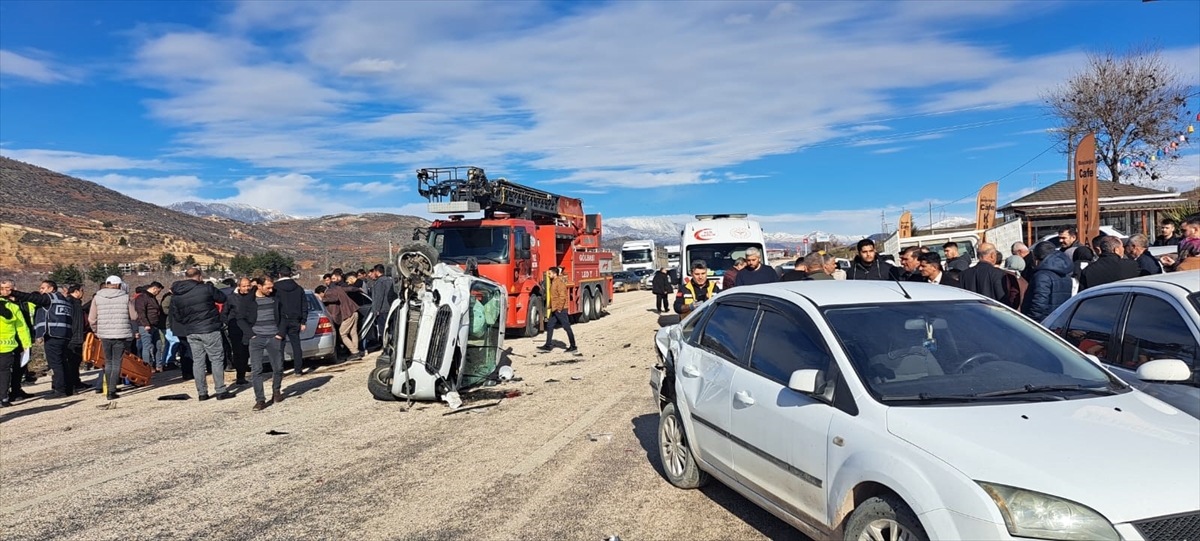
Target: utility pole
{"type": "Point", "coordinates": [883, 225]}
{"type": "Point", "coordinates": [931, 216]}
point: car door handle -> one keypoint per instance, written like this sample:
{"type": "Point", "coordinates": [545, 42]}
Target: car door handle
{"type": "Point", "coordinates": [690, 371]}
{"type": "Point", "coordinates": [743, 397]}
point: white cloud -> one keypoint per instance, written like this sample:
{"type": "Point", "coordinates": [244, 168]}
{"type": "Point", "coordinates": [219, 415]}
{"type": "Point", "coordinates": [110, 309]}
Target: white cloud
{"type": "Point", "coordinates": [68, 162]}
{"type": "Point", "coordinates": [891, 150]}
{"type": "Point", "coordinates": [366, 67]}
{"type": "Point", "coordinates": [375, 188]}
{"type": "Point", "coordinates": [32, 69]}
{"type": "Point", "coordinates": [157, 190]}
{"type": "Point", "coordinates": [992, 146]}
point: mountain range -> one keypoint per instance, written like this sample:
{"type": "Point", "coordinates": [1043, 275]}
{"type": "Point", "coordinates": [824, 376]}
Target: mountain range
{"type": "Point", "coordinates": [59, 219]}
{"type": "Point", "coordinates": [234, 211]}
{"type": "Point", "coordinates": [666, 231]}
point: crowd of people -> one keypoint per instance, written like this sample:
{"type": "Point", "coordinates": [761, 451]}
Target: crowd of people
{"type": "Point", "coordinates": [1034, 280]}
{"type": "Point", "coordinates": [195, 326]}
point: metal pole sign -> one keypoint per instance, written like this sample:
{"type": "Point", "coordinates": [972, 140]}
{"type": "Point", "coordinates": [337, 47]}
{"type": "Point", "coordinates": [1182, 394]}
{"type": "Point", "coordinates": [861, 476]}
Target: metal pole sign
{"type": "Point", "coordinates": [1087, 197]}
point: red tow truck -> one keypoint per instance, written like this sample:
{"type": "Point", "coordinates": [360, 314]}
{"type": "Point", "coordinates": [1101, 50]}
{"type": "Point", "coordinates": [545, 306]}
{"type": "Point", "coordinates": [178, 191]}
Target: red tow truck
{"type": "Point", "coordinates": [523, 232]}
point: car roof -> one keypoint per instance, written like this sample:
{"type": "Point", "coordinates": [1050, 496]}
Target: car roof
{"type": "Point", "coordinates": [847, 292]}
{"type": "Point", "coordinates": [1189, 280]}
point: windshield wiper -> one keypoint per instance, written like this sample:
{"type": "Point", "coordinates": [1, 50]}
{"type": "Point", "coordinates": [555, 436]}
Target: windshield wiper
{"type": "Point", "coordinates": [932, 398]}
{"type": "Point", "coordinates": [1031, 389]}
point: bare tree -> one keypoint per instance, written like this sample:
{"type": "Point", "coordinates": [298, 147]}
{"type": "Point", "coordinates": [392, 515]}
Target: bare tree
{"type": "Point", "coordinates": [1134, 103]}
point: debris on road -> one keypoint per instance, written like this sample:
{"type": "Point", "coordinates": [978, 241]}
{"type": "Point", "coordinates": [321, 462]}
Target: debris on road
{"type": "Point", "coordinates": [453, 400]}
{"type": "Point", "coordinates": [576, 378]}
{"type": "Point", "coordinates": [551, 380]}
{"type": "Point", "coordinates": [274, 432]}
{"type": "Point", "coordinates": [607, 436]}
{"type": "Point", "coordinates": [564, 361]}
{"type": "Point", "coordinates": [180, 396]}
{"type": "Point", "coordinates": [473, 408]}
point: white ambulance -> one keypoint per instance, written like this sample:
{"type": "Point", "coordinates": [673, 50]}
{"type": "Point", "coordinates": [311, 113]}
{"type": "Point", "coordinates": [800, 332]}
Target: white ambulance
{"type": "Point", "coordinates": [719, 240]}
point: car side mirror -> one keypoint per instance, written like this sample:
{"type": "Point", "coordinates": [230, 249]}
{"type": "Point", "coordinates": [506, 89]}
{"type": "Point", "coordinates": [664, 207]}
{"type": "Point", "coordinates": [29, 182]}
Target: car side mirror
{"type": "Point", "coordinates": [1164, 370]}
{"type": "Point", "coordinates": [808, 381]}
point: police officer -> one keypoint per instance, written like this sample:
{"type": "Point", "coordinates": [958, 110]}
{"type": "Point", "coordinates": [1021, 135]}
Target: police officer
{"type": "Point", "coordinates": [696, 290]}
{"type": "Point", "coordinates": [52, 328]}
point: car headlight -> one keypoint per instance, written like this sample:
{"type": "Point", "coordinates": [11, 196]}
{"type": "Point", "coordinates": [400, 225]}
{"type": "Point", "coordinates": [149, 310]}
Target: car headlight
{"type": "Point", "coordinates": [1041, 516]}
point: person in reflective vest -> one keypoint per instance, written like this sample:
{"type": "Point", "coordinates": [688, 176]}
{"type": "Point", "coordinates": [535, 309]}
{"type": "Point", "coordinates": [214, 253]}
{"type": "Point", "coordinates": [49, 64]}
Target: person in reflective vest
{"type": "Point", "coordinates": [14, 338]}
{"type": "Point", "coordinates": [52, 328]}
{"type": "Point", "coordinates": [696, 291]}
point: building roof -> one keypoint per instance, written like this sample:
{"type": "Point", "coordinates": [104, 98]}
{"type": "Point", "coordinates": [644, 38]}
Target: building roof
{"type": "Point", "coordinates": [1065, 191]}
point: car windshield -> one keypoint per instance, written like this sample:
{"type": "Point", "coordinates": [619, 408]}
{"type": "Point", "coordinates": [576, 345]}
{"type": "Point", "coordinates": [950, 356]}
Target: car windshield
{"type": "Point", "coordinates": [719, 257]}
{"type": "Point", "coordinates": [485, 244]}
{"type": "Point", "coordinates": [961, 351]}
{"type": "Point", "coordinates": [641, 255]}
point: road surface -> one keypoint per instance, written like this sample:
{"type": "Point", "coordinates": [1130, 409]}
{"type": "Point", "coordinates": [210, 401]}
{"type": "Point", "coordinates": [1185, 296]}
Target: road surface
{"type": "Point", "coordinates": [574, 458]}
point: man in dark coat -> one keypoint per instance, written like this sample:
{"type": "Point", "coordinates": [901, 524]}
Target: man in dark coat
{"type": "Point", "coordinates": [866, 265]}
{"type": "Point", "coordinates": [1051, 285]}
{"type": "Point", "coordinates": [661, 285]}
{"type": "Point", "coordinates": [1110, 267]}
{"type": "Point", "coordinates": [293, 313]}
{"type": "Point", "coordinates": [954, 261]}
{"type": "Point", "coordinates": [799, 273]}
{"type": "Point", "coordinates": [1168, 233]}
{"type": "Point", "coordinates": [756, 272]}
{"type": "Point", "coordinates": [988, 280]}
{"type": "Point", "coordinates": [236, 313]}
{"type": "Point", "coordinates": [194, 310]}
{"type": "Point", "coordinates": [930, 265]}
{"type": "Point", "coordinates": [909, 268]}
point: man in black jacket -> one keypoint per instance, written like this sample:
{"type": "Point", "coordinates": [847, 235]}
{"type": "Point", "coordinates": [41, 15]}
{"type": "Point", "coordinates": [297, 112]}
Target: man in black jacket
{"type": "Point", "coordinates": [194, 309]}
{"type": "Point", "coordinates": [293, 313]}
{"type": "Point", "coordinates": [240, 301]}
{"type": "Point", "coordinates": [908, 270]}
{"type": "Point", "coordinates": [661, 285]}
{"type": "Point", "coordinates": [53, 327]}
{"type": "Point", "coordinates": [866, 265]}
{"type": "Point", "coordinates": [931, 269]}
{"type": "Point", "coordinates": [988, 280]}
{"type": "Point", "coordinates": [954, 261]}
{"type": "Point", "coordinates": [78, 335]}
{"type": "Point", "coordinates": [1110, 267]}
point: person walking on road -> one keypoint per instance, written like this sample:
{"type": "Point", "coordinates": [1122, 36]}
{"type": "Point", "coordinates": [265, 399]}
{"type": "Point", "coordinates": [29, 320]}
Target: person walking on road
{"type": "Point", "coordinates": [293, 313]}
{"type": "Point", "coordinates": [238, 304]}
{"type": "Point", "coordinates": [661, 285]}
{"type": "Point", "coordinates": [755, 272]}
{"type": "Point", "coordinates": [558, 311]}
{"type": "Point", "coordinates": [194, 308]}
{"type": "Point", "coordinates": [112, 318]}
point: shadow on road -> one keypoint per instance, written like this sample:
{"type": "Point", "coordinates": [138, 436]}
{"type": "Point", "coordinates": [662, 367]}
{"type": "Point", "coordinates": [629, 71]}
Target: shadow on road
{"type": "Point", "coordinates": [300, 387]}
{"type": "Point", "coordinates": [33, 411]}
{"type": "Point", "coordinates": [645, 428]}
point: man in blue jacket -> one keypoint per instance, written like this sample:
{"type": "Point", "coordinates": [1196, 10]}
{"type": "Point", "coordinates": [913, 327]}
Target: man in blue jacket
{"type": "Point", "coordinates": [1051, 284]}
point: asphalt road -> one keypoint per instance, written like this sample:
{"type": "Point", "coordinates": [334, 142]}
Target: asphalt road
{"type": "Point", "coordinates": [574, 458]}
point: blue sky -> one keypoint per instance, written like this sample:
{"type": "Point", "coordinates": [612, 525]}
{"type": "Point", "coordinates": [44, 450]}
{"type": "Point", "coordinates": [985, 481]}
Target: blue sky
{"type": "Point", "coordinates": [810, 115]}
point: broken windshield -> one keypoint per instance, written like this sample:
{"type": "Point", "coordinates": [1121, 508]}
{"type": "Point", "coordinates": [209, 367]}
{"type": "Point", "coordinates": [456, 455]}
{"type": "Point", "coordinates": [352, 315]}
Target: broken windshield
{"type": "Point", "coordinates": [485, 244]}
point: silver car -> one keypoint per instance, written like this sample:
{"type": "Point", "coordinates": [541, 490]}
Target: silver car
{"type": "Point", "coordinates": [317, 340]}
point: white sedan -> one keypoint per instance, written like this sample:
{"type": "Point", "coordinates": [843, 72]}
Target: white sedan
{"type": "Point", "coordinates": [874, 410]}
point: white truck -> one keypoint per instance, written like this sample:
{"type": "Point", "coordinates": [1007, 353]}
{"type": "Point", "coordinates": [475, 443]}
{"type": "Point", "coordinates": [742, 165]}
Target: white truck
{"type": "Point", "coordinates": [719, 240]}
{"type": "Point", "coordinates": [640, 254]}
{"type": "Point", "coordinates": [673, 256]}
{"type": "Point", "coordinates": [1003, 236]}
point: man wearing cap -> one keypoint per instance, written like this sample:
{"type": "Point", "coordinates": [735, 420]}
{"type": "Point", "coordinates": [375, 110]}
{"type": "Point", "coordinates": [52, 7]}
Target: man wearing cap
{"type": "Point", "coordinates": [111, 317]}
{"type": "Point", "coordinates": [194, 309]}
{"type": "Point", "coordinates": [52, 328]}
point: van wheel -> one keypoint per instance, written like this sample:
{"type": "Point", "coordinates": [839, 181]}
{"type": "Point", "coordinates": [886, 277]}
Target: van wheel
{"type": "Point", "coordinates": [533, 319]}
{"type": "Point", "coordinates": [675, 454]}
{"type": "Point", "coordinates": [585, 306]}
{"type": "Point", "coordinates": [379, 382]}
{"type": "Point", "coordinates": [884, 517]}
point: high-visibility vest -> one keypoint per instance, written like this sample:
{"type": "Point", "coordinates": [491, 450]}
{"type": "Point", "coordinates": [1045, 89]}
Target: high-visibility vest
{"type": "Point", "coordinates": [688, 300]}
{"type": "Point", "coordinates": [54, 320]}
{"type": "Point", "coordinates": [14, 333]}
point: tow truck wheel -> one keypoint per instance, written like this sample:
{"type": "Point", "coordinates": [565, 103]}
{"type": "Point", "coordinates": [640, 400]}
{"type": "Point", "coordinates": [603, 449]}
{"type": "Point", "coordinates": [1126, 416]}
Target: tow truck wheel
{"type": "Point", "coordinates": [585, 306]}
{"type": "Point", "coordinates": [533, 320]}
{"type": "Point", "coordinates": [379, 382]}
{"type": "Point", "coordinates": [596, 310]}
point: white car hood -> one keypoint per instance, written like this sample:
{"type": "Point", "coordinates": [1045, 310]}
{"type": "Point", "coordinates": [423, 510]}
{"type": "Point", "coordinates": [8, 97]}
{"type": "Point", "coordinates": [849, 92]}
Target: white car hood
{"type": "Point", "coordinates": [1129, 456]}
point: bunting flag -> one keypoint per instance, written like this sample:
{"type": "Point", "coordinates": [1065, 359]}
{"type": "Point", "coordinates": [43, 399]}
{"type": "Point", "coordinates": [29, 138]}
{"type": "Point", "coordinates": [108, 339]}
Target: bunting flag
{"type": "Point", "coordinates": [985, 205]}
{"type": "Point", "coordinates": [906, 224]}
{"type": "Point", "coordinates": [1087, 197]}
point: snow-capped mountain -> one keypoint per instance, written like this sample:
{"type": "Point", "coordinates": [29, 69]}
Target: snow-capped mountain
{"type": "Point", "coordinates": [666, 230]}
{"type": "Point", "coordinates": [950, 223]}
{"type": "Point", "coordinates": [233, 211]}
